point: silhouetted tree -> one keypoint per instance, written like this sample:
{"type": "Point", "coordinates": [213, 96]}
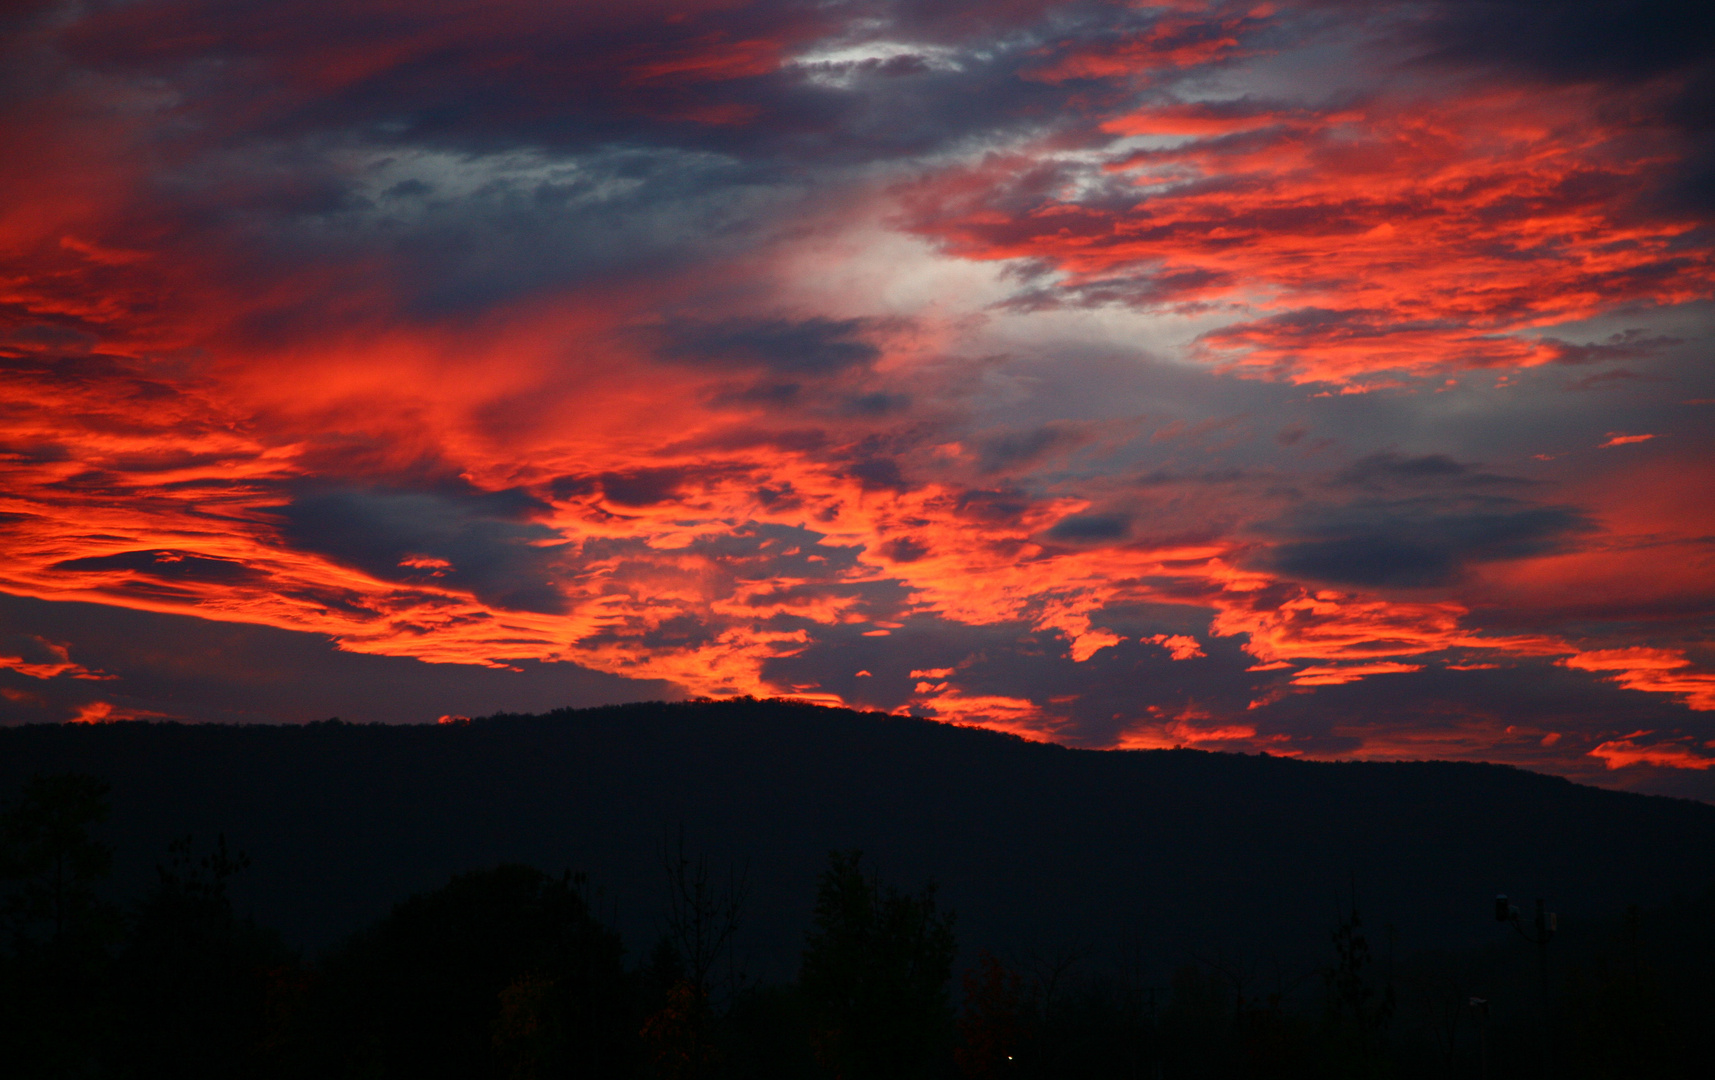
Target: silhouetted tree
{"type": "Point", "coordinates": [703, 911]}
{"type": "Point", "coordinates": [874, 976]}
{"type": "Point", "coordinates": [53, 986]}
{"type": "Point", "coordinates": [1616, 1017]}
{"type": "Point", "coordinates": [1356, 1015]}
{"type": "Point", "coordinates": [195, 980]}
{"type": "Point", "coordinates": [48, 852]}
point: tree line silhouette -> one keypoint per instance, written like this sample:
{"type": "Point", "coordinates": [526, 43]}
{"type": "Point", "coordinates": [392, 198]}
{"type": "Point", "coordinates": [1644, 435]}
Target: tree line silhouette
{"type": "Point", "coordinates": [512, 972]}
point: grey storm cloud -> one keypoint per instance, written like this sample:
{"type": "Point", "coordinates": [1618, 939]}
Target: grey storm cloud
{"type": "Point", "coordinates": [486, 540]}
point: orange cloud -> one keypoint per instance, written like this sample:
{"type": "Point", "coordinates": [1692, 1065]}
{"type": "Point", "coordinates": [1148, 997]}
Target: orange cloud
{"type": "Point", "coordinates": [1171, 43]}
{"type": "Point", "coordinates": [1649, 669]}
{"type": "Point", "coordinates": [1016, 716]}
{"type": "Point", "coordinates": [1619, 753]}
{"type": "Point", "coordinates": [1179, 646]}
{"type": "Point", "coordinates": [1616, 438]}
{"type": "Point", "coordinates": [1193, 728]}
{"type": "Point", "coordinates": [1331, 625]}
{"type": "Point", "coordinates": [50, 660]}
{"type": "Point", "coordinates": [1323, 675]}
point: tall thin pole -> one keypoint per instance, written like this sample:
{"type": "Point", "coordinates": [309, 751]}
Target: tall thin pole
{"type": "Point", "coordinates": [1545, 929]}
{"type": "Point", "coordinates": [1542, 934]}
{"type": "Point", "coordinates": [1481, 1006]}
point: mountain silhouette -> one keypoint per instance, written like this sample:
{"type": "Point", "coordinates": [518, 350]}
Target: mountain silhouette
{"type": "Point", "coordinates": [1040, 849]}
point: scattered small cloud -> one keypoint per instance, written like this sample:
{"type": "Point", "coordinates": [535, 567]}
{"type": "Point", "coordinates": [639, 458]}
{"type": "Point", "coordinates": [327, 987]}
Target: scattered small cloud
{"type": "Point", "coordinates": [39, 658]}
{"type": "Point", "coordinates": [1328, 675]}
{"type": "Point", "coordinates": [1620, 438]}
{"type": "Point", "coordinates": [1178, 646]}
{"type": "Point", "coordinates": [1612, 378]}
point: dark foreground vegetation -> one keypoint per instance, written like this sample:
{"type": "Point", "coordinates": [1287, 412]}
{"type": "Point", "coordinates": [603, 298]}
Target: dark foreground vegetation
{"type": "Point", "coordinates": [509, 973]}
{"type": "Point", "coordinates": [494, 967]}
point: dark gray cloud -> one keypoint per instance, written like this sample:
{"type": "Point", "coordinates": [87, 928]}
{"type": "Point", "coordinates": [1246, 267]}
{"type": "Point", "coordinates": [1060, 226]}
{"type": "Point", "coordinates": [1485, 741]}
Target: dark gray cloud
{"type": "Point", "coordinates": [1019, 449]}
{"type": "Point", "coordinates": [1138, 291]}
{"type": "Point", "coordinates": [1576, 39]}
{"type": "Point", "coordinates": [805, 347]}
{"type": "Point", "coordinates": [1091, 528]}
{"type": "Point", "coordinates": [485, 540]}
{"type": "Point", "coordinates": [905, 549]}
{"type": "Point", "coordinates": [993, 507]}
{"type": "Point", "coordinates": [640, 487]}
{"type": "Point", "coordinates": [1626, 345]}
{"type": "Point", "coordinates": [1396, 520]}
{"type": "Point", "coordinates": [485, 156]}
{"type": "Point", "coordinates": [167, 565]}
{"type": "Point", "coordinates": [711, 79]}
{"type": "Point", "coordinates": [1416, 543]}
{"type": "Point", "coordinates": [876, 403]}
{"type": "Point", "coordinates": [1390, 468]}
{"type": "Point", "coordinates": [1611, 379]}
{"type": "Point", "coordinates": [876, 472]}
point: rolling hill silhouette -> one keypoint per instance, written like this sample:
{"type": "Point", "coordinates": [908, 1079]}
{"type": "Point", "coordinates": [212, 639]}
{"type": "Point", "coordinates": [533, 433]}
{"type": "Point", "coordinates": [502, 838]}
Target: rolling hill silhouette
{"type": "Point", "coordinates": [1040, 849]}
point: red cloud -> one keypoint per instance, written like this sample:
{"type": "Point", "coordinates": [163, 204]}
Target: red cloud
{"type": "Point", "coordinates": [1400, 235]}
{"type": "Point", "coordinates": [1172, 42]}
{"type": "Point", "coordinates": [1323, 675]}
{"type": "Point", "coordinates": [1616, 438]}
{"type": "Point", "coordinates": [40, 658]}
{"type": "Point", "coordinates": [1657, 670]}
{"type": "Point", "coordinates": [1619, 753]}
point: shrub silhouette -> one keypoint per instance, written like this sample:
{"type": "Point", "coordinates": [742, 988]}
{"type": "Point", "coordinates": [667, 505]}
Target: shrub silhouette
{"type": "Point", "coordinates": [996, 1022]}
{"type": "Point", "coordinates": [500, 973]}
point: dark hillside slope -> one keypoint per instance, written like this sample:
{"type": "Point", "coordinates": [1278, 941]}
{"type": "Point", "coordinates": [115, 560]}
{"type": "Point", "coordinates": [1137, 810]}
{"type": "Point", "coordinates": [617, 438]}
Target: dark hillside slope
{"type": "Point", "coordinates": [1037, 847]}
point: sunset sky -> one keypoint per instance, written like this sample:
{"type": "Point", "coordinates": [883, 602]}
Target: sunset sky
{"type": "Point", "coordinates": [1330, 378]}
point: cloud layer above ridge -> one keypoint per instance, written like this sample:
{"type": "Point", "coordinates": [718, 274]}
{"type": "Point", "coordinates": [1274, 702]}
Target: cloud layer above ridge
{"type": "Point", "coordinates": [1319, 378]}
